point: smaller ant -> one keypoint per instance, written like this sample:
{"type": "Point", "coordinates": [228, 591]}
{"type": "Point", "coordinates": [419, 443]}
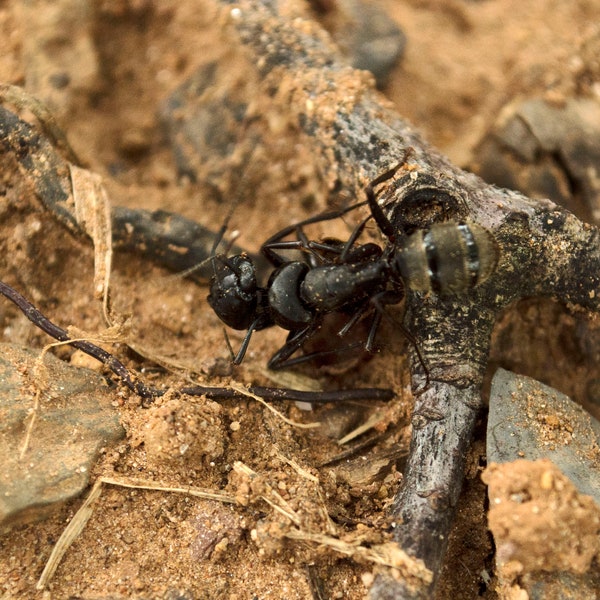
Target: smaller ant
{"type": "Point", "coordinates": [334, 277]}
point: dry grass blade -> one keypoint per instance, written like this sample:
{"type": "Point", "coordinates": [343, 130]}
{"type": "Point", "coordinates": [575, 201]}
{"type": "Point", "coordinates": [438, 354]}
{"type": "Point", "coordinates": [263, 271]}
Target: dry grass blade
{"type": "Point", "coordinates": [160, 487]}
{"type": "Point", "coordinates": [302, 472]}
{"type": "Point", "coordinates": [388, 554]}
{"type": "Point", "coordinates": [242, 390]}
{"type": "Point", "coordinates": [41, 381]}
{"type": "Point", "coordinates": [271, 497]}
{"type": "Point", "coordinates": [92, 211]}
{"type": "Point", "coordinates": [82, 516]}
{"type": "Point", "coordinates": [69, 535]}
{"type": "Point", "coordinates": [375, 418]}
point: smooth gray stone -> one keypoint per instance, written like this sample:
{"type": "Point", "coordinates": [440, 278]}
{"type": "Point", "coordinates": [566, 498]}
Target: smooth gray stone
{"type": "Point", "coordinates": [546, 150]}
{"type": "Point", "coordinates": [73, 422]}
{"type": "Point", "coordinates": [370, 39]}
{"type": "Point", "coordinates": [518, 428]}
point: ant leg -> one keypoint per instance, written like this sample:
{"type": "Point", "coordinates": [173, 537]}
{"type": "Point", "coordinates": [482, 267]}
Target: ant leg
{"type": "Point", "coordinates": [314, 252]}
{"type": "Point", "coordinates": [370, 343]}
{"type": "Point", "coordinates": [377, 212]}
{"type": "Point", "coordinates": [317, 252]}
{"type": "Point", "coordinates": [292, 362]}
{"type": "Point", "coordinates": [281, 358]}
{"type": "Point", "coordinates": [237, 359]}
{"type": "Point", "coordinates": [380, 308]}
{"type": "Point", "coordinates": [353, 237]}
{"type": "Point", "coordinates": [312, 258]}
{"type": "Point", "coordinates": [317, 249]}
{"type": "Point", "coordinates": [277, 260]}
{"type": "Point", "coordinates": [354, 319]}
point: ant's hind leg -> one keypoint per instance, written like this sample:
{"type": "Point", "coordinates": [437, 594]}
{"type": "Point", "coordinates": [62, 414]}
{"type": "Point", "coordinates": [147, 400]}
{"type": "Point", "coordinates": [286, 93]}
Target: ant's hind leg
{"type": "Point", "coordinates": [381, 312]}
{"type": "Point", "coordinates": [281, 359]}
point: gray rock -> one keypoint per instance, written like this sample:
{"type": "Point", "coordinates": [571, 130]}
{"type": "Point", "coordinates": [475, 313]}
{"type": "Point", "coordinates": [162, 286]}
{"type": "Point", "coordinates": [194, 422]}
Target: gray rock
{"type": "Point", "coordinates": [369, 38]}
{"type": "Point", "coordinates": [530, 420]}
{"type": "Point", "coordinates": [203, 119]}
{"type": "Point", "coordinates": [74, 420]}
{"type": "Point", "coordinates": [546, 151]}
{"type": "Point", "coordinates": [564, 586]}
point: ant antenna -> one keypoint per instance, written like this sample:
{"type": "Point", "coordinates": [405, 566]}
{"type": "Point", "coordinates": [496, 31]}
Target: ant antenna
{"type": "Point", "coordinates": [219, 235]}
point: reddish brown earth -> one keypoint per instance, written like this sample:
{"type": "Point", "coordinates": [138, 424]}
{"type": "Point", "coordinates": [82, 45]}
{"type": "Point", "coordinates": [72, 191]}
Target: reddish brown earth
{"type": "Point", "coordinates": [464, 60]}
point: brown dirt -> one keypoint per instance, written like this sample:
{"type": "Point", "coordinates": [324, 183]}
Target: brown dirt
{"type": "Point", "coordinates": [528, 491]}
{"type": "Point", "coordinates": [539, 495]}
{"type": "Point", "coordinates": [464, 60]}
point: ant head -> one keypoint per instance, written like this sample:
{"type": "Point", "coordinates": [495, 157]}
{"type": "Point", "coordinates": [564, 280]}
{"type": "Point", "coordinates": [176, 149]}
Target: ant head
{"type": "Point", "coordinates": [233, 290]}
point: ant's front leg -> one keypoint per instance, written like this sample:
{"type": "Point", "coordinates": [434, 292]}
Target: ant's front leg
{"type": "Point", "coordinates": [275, 241]}
{"type": "Point", "coordinates": [237, 359]}
{"type": "Point", "coordinates": [376, 211]}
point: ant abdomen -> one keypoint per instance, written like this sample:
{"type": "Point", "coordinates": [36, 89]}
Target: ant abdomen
{"type": "Point", "coordinates": [447, 258]}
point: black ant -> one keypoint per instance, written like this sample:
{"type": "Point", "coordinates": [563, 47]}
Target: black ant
{"type": "Point", "coordinates": [345, 277]}
{"type": "Point", "coordinates": [335, 277]}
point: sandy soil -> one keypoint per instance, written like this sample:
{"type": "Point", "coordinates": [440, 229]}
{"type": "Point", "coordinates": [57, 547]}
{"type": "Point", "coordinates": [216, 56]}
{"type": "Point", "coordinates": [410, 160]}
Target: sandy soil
{"type": "Point", "coordinates": [464, 60]}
